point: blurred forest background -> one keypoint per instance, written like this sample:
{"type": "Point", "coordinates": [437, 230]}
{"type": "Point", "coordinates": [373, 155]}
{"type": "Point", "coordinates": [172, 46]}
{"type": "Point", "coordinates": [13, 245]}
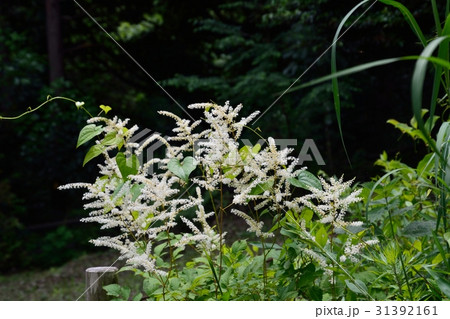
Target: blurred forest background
{"type": "Point", "coordinates": [243, 51]}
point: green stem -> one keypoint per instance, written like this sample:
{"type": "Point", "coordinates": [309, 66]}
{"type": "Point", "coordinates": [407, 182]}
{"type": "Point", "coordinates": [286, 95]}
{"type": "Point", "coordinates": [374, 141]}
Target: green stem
{"type": "Point", "coordinates": [401, 254]}
{"type": "Point", "coordinates": [30, 110]}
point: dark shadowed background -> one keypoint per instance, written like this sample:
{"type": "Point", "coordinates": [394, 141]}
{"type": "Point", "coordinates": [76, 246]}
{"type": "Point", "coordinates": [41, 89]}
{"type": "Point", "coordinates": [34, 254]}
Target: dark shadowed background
{"type": "Point", "coordinates": [242, 51]}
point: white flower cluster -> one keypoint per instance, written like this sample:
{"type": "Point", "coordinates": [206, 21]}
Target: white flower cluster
{"type": "Point", "coordinates": [332, 202]}
{"type": "Point", "coordinates": [145, 208]}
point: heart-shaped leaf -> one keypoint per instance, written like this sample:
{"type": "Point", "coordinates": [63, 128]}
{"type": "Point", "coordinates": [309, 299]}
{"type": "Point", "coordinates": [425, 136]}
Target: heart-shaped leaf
{"type": "Point", "coordinates": [105, 108]}
{"type": "Point", "coordinates": [88, 132]}
{"type": "Point", "coordinates": [184, 169]}
{"type": "Point", "coordinates": [306, 180]}
{"type": "Point", "coordinates": [127, 166]}
{"type": "Point", "coordinates": [93, 152]}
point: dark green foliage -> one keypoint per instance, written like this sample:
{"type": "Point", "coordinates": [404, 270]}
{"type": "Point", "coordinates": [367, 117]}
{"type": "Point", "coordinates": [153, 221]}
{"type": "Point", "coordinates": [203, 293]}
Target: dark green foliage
{"type": "Point", "coordinates": [243, 51]}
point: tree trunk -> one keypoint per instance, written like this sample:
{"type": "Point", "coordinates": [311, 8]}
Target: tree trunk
{"type": "Point", "coordinates": [54, 39]}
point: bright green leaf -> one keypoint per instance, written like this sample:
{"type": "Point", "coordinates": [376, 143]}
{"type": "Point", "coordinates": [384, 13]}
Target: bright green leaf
{"type": "Point", "coordinates": [306, 180]}
{"type": "Point", "coordinates": [88, 132]}
{"type": "Point", "coordinates": [111, 139]}
{"type": "Point", "coordinates": [321, 236]}
{"type": "Point", "coordinates": [184, 169]}
{"type": "Point", "coordinates": [127, 165]}
{"type": "Point", "coordinates": [105, 108]}
{"type": "Point", "coordinates": [93, 152]}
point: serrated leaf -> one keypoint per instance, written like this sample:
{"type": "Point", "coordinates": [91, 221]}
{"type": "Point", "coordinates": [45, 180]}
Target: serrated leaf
{"type": "Point", "coordinates": [88, 132]}
{"type": "Point", "coordinates": [306, 180]}
{"type": "Point", "coordinates": [127, 165]}
{"type": "Point", "coordinates": [184, 169]}
{"type": "Point", "coordinates": [93, 152]}
{"type": "Point", "coordinates": [419, 228]}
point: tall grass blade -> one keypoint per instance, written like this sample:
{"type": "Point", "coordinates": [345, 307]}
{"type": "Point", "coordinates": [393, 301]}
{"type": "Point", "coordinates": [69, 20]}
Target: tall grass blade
{"type": "Point", "coordinates": [417, 83]}
{"type": "Point", "coordinates": [409, 18]}
{"type": "Point", "coordinates": [367, 66]}
{"type": "Point", "coordinates": [443, 53]}
{"type": "Point", "coordinates": [437, 20]}
{"type": "Point", "coordinates": [336, 95]}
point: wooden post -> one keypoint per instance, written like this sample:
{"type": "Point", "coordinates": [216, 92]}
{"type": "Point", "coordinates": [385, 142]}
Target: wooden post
{"type": "Point", "coordinates": [96, 278]}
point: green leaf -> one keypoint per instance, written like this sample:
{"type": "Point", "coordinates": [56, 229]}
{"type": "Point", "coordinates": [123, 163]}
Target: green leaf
{"type": "Point", "coordinates": [442, 283]}
{"type": "Point", "coordinates": [447, 237]}
{"type": "Point", "coordinates": [419, 228]}
{"type": "Point", "coordinates": [127, 166]}
{"type": "Point", "coordinates": [262, 187]}
{"type": "Point", "coordinates": [93, 152]}
{"type": "Point", "coordinates": [136, 191]}
{"type": "Point", "coordinates": [113, 290]}
{"type": "Point", "coordinates": [125, 293]}
{"type": "Point", "coordinates": [256, 148]}
{"type": "Point", "coordinates": [307, 215]}
{"type": "Point", "coordinates": [417, 85]}
{"type": "Point", "coordinates": [425, 164]}
{"type": "Point", "coordinates": [306, 180]}
{"type": "Point", "coordinates": [334, 81]}
{"type": "Point", "coordinates": [308, 275]}
{"type": "Point", "coordinates": [360, 288]}
{"type": "Point", "coordinates": [111, 139]}
{"type": "Point", "coordinates": [88, 132]}
{"type": "Point", "coordinates": [105, 108]}
{"type": "Point", "coordinates": [138, 297]}
{"type": "Point", "coordinates": [370, 65]}
{"type": "Point", "coordinates": [409, 18]}
{"type": "Point", "coordinates": [443, 135]}
{"type": "Point", "coordinates": [182, 170]}
{"type": "Point", "coordinates": [321, 236]}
